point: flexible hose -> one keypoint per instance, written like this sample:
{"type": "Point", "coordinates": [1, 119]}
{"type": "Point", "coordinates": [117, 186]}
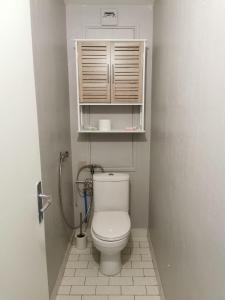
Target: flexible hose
{"type": "Point", "coordinates": [91, 169]}
{"type": "Point", "coordinates": [62, 157]}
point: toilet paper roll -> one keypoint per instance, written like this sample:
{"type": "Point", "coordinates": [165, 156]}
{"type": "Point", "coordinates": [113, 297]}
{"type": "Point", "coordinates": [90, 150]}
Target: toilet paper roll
{"type": "Point", "coordinates": [104, 125]}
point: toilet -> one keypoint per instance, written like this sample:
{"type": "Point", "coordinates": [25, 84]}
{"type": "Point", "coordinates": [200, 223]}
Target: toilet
{"type": "Point", "coordinates": [111, 224]}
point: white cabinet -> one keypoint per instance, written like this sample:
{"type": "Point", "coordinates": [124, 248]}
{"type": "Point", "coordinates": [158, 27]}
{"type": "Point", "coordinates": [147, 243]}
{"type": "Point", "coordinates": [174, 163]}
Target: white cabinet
{"type": "Point", "coordinates": [110, 84]}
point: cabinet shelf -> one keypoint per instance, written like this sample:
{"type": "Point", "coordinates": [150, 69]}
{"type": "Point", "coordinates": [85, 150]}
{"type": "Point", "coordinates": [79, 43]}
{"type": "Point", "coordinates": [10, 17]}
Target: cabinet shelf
{"type": "Point", "coordinates": [112, 131]}
{"type": "Point", "coordinates": [111, 104]}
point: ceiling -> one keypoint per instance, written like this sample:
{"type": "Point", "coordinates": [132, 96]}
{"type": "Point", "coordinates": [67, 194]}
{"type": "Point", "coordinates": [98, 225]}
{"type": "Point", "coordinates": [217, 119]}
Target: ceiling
{"type": "Point", "coordinates": [110, 2]}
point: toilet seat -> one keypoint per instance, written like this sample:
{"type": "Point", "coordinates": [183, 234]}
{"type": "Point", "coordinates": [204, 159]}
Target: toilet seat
{"type": "Point", "coordinates": [111, 225]}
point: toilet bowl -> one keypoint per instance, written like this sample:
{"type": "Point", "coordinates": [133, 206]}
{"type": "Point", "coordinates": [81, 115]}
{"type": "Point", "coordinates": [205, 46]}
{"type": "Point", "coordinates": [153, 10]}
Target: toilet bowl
{"type": "Point", "coordinates": [111, 224]}
{"type": "Point", "coordinates": [110, 233]}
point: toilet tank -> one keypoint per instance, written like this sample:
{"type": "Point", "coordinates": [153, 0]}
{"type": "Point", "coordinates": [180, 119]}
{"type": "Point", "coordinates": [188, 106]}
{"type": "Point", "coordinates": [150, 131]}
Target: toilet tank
{"type": "Point", "coordinates": [111, 191]}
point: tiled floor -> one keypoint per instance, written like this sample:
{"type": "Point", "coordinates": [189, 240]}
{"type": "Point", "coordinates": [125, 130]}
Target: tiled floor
{"type": "Point", "coordinates": [137, 281]}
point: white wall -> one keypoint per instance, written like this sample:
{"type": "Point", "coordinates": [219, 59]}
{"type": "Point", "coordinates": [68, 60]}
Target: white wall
{"type": "Point", "coordinates": [51, 76]}
{"type": "Point", "coordinates": [187, 206]}
{"type": "Point", "coordinates": [125, 153]}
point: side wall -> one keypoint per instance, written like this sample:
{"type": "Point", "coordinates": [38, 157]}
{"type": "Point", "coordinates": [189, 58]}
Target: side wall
{"type": "Point", "coordinates": [117, 152]}
{"type": "Point", "coordinates": [49, 43]}
{"type": "Point", "coordinates": [187, 204]}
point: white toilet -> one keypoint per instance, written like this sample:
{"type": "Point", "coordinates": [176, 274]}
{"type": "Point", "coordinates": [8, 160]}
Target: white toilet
{"type": "Point", "coordinates": [111, 225]}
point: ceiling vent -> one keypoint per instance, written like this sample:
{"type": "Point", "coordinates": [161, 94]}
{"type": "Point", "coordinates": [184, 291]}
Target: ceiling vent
{"type": "Point", "coordinates": [109, 17]}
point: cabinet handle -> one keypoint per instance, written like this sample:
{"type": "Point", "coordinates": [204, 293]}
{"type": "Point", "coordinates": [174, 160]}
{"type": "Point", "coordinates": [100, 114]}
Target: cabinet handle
{"type": "Point", "coordinates": [113, 73]}
{"type": "Point", "coordinates": [108, 73]}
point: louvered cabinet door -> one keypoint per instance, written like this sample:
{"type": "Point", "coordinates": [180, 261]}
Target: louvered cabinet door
{"type": "Point", "coordinates": [127, 71]}
{"type": "Point", "coordinates": [94, 71]}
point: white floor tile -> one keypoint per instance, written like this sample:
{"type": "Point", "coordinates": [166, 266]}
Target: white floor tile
{"type": "Point", "coordinates": [126, 265]}
{"type": "Point", "coordinates": [144, 244]}
{"type": "Point", "coordinates": [139, 239]}
{"type": "Point", "coordinates": [77, 264]}
{"type": "Point", "coordinates": [82, 290]}
{"type": "Point", "coordinates": [147, 298]}
{"type": "Point", "coordinates": [146, 257]}
{"type": "Point", "coordinates": [121, 298]}
{"type": "Point", "coordinates": [133, 244]}
{"type": "Point", "coordinates": [120, 281]}
{"type": "Point", "coordinates": [102, 275]}
{"type": "Point", "coordinates": [86, 272]}
{"type": "Point", "coordinates": [88, 257]}
{"type": "Point", "coordinates": [108, 290]}
{"type": "Point", "coordinates": [93, 265]}
{"type": "Point", "coordinates": [74, 250]}
{"type": "Point", "coordinates": [137, 281]}
{"type": "Point", "coordinates": [153, 290]}
{"type": "Point", "coordinates": [149, 272]}
{"type": "Point", "coordinates": [132, 272]}
{"type": "Point", "coordinates": [69, 272]}
{"type": "Point", "coordinates": [133, 290]}
{"type": "Point", "coordinates": [140, 251]}
{"type": "Point", "coordinates": [97, 281]}
{"type": "Point", "coordinates": [145, 281]}
{"type": "Point", "coordinates": [95, 298]}
{"type": "Point", "coordinates": [73, 281]}
{"type": "Point", "coordinates": [68, 297]}
{"type": "Point", "coordinates": [73, 257]}
{"type": "Point", "coordinates": [142, 264]}
{"type": "Point", "coordinates": [64, 290]}
{"type": "Point", "coordinates": [128, 258]}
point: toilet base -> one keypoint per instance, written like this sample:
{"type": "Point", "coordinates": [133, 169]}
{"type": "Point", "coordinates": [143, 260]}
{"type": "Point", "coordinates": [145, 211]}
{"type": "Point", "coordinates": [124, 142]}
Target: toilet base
{"type": "Point", "coordinates": [110, 264]}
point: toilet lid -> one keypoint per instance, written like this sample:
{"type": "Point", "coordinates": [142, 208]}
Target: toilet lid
{"type": "Point", "coordinates": [111, 225]}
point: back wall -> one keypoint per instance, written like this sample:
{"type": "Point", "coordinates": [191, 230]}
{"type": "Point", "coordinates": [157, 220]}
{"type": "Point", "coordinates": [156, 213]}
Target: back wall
{"type": "Point", "coordinates": [118, 152]}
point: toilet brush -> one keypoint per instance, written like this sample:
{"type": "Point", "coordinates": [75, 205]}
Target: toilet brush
{"type": "Point", "coordinates": [81, 239]}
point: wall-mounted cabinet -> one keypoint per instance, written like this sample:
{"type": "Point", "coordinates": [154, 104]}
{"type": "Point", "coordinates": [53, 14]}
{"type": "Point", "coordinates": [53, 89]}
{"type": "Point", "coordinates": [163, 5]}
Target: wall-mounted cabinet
{"type": "Point", "coordinates": [111, 74]}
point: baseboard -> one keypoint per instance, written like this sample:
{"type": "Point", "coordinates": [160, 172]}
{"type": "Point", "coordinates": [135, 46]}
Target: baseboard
{"type": "Point", "coordinates": [155, 266]}
{"type": "Point", "coordinates": [135, 232]}
{"type": "Point", "coordinates": [61, 270]}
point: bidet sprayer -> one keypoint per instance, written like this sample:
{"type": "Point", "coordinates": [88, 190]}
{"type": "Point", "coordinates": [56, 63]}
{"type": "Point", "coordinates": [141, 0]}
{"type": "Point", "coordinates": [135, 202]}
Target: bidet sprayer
{"type": "Point", "coordinates": [64, 155]}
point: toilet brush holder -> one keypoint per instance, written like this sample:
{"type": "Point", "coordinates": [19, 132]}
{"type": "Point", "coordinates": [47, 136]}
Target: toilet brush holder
{"type": "Point", "coordinates": [81, 238]}
{"type": "Point", "coordinates": [81, 241]}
